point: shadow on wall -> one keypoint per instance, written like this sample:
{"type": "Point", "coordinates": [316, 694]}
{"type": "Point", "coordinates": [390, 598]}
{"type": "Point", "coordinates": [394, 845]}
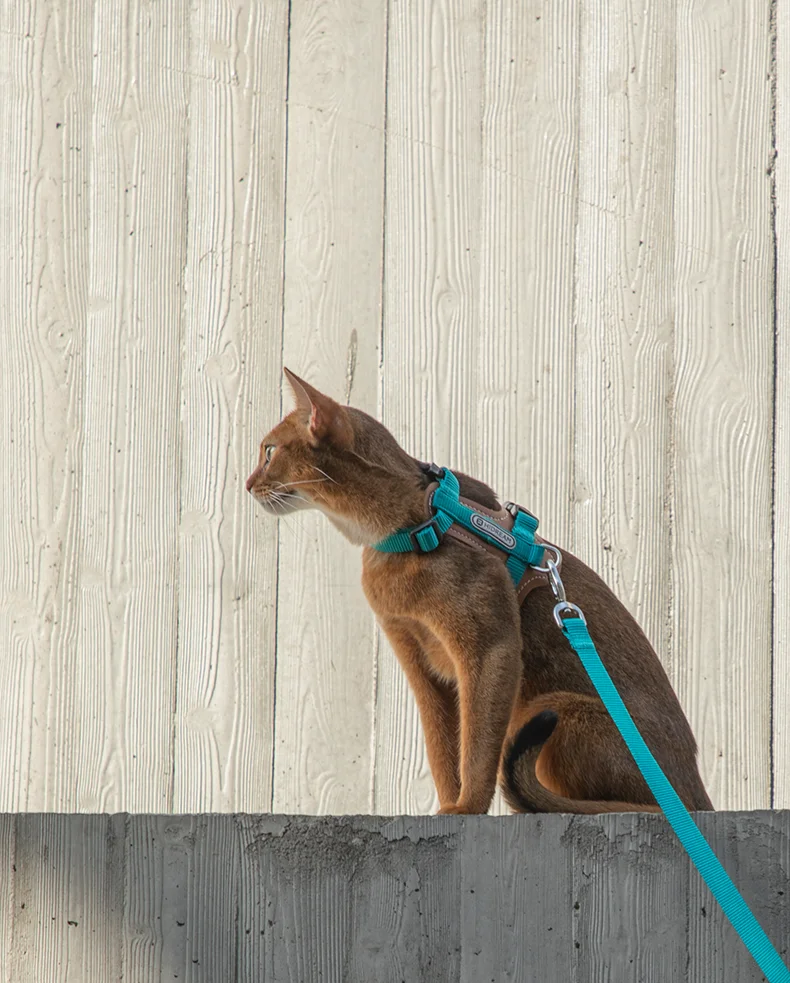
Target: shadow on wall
{"type": "Point", "coordinates": [244, 899]}
{"type": "Point", "coordinates": [221, 899]}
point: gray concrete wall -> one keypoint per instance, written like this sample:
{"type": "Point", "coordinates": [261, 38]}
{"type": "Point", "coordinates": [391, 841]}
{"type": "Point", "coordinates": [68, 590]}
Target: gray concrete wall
{"type": "Point", "coordinates": [246, 899]}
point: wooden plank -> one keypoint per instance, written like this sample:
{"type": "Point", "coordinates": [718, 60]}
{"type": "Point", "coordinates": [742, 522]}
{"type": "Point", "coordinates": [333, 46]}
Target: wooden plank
{"type": "Point", "coordinates": [528, 218]}
{"type": "Point", "coordinates": [332, 317]}
{"type": "Point", "coordinates": [722, 416]}
{"type": "Point", "coordinates": [232, 321]}
{"type": "Point", "coordinates": [431, 322]}
{"type": "Point", "coordinates": [624, 304]}
{"type": "Point", "coordinates": [115, 698]}
{"type": "Point", "coordinates": [430, 333]}
{"type": "Point", "coordinates": [67, 902]}
{"type": "Point", "coordinates": [781, 462]}
{"type": "Point", "coordinates": [531, 860]}
{"type": "Point", "coordinates": [44, 168]}
{"type": "Point", "coordinates": [630, 885]}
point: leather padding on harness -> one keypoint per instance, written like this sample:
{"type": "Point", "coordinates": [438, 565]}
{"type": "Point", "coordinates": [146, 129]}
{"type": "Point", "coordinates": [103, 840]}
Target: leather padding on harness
{"type": "Point", "coordinates": [531, 578]}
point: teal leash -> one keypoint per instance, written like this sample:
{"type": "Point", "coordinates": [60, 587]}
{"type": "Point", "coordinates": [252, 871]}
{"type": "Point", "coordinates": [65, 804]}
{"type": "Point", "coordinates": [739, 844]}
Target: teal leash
{"type": "Point", "coordinates": [694, 843]}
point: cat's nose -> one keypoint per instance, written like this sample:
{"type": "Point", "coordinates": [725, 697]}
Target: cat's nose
{"type": "Point", "coordinates": [252, 478]}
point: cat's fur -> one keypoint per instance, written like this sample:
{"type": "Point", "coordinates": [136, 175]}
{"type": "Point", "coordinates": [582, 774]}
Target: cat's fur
{"type": "Point", "coordinates": [499, 690]}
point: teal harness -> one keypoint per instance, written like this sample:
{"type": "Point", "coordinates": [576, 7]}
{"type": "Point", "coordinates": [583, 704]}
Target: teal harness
{"type": "Point", "coordinates": [519, 544]}
{"type": "Point", "coordinates": [522, 552]}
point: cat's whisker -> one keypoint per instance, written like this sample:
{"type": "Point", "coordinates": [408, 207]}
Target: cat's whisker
{"type": "Point", "coordinates": [283, 515]}
{"type": "Point", "coordinates": [276, 500]}
{"type": "Point", "coordinates": [321, 471]}
{"type": "Point", "coordinates": [294, 530]}
{"type": "Point", "coordinates": [293, 484]}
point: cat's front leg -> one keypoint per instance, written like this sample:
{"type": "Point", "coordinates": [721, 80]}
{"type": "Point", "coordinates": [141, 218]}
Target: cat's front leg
{"type": "Point", "coordinates": [437, 703]}
{"type": "Point", "coordinates": [488, 668]}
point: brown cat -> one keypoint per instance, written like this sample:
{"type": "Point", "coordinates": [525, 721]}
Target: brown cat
{"type": "Point", "coordinates": [499, 690]}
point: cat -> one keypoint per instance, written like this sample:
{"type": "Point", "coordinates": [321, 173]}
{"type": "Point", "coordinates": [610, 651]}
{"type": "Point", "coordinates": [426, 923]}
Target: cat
{"type": "Point", "coordinates": [501, 695]}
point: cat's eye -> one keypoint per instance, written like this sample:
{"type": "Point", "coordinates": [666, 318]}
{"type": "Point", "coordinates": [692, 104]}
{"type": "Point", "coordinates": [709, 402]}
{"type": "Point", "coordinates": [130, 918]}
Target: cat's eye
{"type": "Point", "coordinates": [268, 450]}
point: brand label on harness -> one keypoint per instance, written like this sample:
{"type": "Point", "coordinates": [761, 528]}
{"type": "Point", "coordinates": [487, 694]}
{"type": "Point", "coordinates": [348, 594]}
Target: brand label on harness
{"type": "Point", "coordinates": [492, 529]}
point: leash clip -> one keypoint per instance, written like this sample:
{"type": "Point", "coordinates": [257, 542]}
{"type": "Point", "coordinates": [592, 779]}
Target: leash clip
{"type": "Point", "coordinates": [557, 586]}
{"type": "Point", "coordinates": [563, 607]}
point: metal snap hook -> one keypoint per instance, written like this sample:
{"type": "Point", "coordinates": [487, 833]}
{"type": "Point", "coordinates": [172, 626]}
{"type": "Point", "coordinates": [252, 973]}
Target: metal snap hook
{"type": "Point", "coordinates": [557, 586]}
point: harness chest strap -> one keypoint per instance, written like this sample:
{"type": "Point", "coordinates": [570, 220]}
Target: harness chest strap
{"type": "Point", "coordinates": [530, 579]}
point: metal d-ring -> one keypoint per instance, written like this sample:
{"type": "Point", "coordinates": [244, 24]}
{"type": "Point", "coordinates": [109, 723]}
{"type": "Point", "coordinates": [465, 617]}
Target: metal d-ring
{"type": "Point", "coordinates": [567, 606]}
{"type": "Point", "coordinates": [554, 550]}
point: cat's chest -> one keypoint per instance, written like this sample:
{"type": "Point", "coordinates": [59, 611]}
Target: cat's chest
{"type": "Point", "coordinates": [405, 595]}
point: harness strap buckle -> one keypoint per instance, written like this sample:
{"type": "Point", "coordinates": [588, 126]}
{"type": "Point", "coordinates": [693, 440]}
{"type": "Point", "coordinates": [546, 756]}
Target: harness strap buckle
{"type": "Point", "coordinates": [434, 472]}
{"type": "Point", "coordinates": [514, 510]}
{"type": "Point", "coordinates": [426, 536]}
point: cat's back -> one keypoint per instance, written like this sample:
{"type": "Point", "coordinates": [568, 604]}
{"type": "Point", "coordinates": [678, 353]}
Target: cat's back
{"type": "Point", "coordinates": [624, 648]}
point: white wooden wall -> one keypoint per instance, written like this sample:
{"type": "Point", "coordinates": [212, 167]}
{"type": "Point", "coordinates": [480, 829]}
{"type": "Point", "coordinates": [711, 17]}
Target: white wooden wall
{"type": "Point", "coordinates": [544, 242]}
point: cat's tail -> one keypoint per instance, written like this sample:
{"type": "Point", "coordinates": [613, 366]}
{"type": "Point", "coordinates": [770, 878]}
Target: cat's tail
{"type": "Point", "coordinates": [520, 786]}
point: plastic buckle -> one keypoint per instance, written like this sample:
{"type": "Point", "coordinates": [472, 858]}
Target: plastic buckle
{"type": "Point", "coordinates": [434, 472]}
{"type": "Point", "coordinates": [514, 510]}
{"type": "Point", "coordinates": [428, 524]}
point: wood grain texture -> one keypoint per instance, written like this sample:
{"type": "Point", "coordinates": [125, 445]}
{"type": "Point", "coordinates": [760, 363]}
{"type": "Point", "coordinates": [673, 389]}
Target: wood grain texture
{"type": "Point", "coordinates": [229, 371]}
{"type": "Point", "coordinates": [184, 915]}
{"type": "Point", "coordinates": [116, 744]}
{"type": "Point", "coordinates": [622, 389]}
{"type": "Point", "coordinates": [158, 854]}
{"type": "Point", "coordinates": [722, 415]}
{"type": "Point", "coordinates": [629, 886]}
{"type": "Point", "coordinates": [7, 888]}
{"type": "Point", "coordinates": [331, 322]}
{"type": "Point", "coordinates": [67, 908]}
{"type": "Point", "coordinates": [754, 848]}
{"type": "Point", "coordinates": [430, 337]}
{"type": "Point", "coordinates": [494, 913]}
{"type": "Point", "coordinates": [44, 172]}
{"type": "Point", "coordinates": [780, 693]}
{"type": "Point", "coordinates": [291, 899]}
{"type": "Point", "coordinates": [527, 245]}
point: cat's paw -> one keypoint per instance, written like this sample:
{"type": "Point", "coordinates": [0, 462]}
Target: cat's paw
{"type": "Point", "coordinates": [460, 810]}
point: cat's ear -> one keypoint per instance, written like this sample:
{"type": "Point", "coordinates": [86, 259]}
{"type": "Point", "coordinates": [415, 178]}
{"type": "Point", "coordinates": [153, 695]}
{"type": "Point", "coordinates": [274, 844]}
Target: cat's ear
{"type": "Point", "coordinates": [327, 418]}
{"type": "Point", "coordinates": [303, 392]}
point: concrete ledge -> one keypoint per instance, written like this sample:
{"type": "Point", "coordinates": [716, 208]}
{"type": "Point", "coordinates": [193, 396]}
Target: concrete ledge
{"type": "Point", "coordinates": [246, 899]}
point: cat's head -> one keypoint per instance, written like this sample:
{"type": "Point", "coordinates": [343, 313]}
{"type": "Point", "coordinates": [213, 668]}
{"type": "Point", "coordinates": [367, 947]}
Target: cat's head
{"type": "Point", "coordinates": [340, 460]}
